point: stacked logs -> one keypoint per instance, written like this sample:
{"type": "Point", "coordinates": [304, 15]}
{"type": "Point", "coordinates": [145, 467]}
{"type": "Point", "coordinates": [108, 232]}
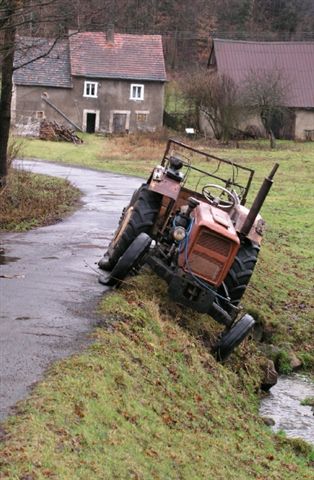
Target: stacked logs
{"type": "Point", "coordinates": [57, 133]}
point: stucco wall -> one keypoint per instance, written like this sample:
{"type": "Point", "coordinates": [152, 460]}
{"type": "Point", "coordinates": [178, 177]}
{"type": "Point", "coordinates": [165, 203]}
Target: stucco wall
{"type": "Point", "coordinates": [253, 122]}
{"type": "Point", "coordinates": [249, 121]}
{"type": "Point", "coordinates": [304, 121]}
{"type": "Point", "coordinates": [29, 104]}
{"type": "Point", "coordinates": [113, 96]}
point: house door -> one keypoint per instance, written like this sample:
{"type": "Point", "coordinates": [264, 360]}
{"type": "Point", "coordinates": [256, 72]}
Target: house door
{"type": "Point", "coordinates": [119, 122]}
{"type": "Point", "coordinates": [288, 130]}
{"type": "Point", "coordinates": [90, 122]}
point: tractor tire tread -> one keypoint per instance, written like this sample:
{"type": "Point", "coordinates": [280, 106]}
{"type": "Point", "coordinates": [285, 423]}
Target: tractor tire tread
{"type": "Point", "coordinates": [145, 211]}
{"type": "Point", "coordinates": [233, 337]}
{"type": "Point", "coordinates": [241, 271]}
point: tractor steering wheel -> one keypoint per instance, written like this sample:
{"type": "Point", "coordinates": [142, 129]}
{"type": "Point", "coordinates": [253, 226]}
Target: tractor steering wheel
{"type": "Point", "coordinates": [218, 201]}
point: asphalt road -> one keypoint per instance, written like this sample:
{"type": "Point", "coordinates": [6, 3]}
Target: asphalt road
{"type": "Point", "coordinates": [49, 280]}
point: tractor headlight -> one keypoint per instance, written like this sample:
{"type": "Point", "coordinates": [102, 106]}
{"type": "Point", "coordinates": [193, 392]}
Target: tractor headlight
{"type": "Point", "coordinates": [179, 234]}
{"type": "Point", "coordinates": [158, 173]}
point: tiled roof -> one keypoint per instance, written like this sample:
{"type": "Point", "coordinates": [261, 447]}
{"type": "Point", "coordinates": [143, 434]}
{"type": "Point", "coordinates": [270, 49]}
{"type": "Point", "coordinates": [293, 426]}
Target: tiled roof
{"type": "Point", "coordinates": [293, 60]}
{"type": "Point", "coordinates": [53, 70]}
{"type": "Point", "coordinates": [133, 57]}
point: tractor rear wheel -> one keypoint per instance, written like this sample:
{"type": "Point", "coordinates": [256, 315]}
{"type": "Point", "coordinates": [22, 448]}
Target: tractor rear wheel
{"type": "Point", "coordinates": [239, 276]}
{"type": "Point", "coordinates": [138, 217]}
{"type": "Point", "coordinates": [232, 337]}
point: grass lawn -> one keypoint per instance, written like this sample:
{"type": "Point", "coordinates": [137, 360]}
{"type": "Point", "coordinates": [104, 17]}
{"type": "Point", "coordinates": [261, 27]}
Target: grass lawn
{"type": "Point", "coordinates": [147, 401]}
{"type": "Point", "coordinates": [30, 200]}
{"type": "Point", "coordinates": [115, 154]}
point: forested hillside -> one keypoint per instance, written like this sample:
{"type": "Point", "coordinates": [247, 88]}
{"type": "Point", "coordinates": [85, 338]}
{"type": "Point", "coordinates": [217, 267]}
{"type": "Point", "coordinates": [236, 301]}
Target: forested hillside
{"type": "Point", "coordinates": [186, 26]}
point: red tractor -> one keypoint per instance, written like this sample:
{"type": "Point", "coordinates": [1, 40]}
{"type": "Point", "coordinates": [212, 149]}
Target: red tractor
{"type": "Point", "coordinates": [192, 228]}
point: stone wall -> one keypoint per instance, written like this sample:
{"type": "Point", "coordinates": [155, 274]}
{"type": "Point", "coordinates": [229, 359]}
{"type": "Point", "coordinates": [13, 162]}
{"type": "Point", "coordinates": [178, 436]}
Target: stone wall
{"type": "Point", "coordinates": [26, 126]}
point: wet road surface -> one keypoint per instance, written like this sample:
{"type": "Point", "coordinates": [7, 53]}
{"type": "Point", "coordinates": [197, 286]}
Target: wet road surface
{"type": "Point", "coordinates": [49, 280]}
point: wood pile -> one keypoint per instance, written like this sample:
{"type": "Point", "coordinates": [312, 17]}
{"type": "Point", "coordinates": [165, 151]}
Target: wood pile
{"type": "Point", "coordinates": [57, 133]}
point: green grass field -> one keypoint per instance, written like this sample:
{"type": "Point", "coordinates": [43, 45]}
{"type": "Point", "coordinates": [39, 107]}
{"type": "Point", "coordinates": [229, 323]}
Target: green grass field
{"type": "Point", "coordinates": [147, 401]}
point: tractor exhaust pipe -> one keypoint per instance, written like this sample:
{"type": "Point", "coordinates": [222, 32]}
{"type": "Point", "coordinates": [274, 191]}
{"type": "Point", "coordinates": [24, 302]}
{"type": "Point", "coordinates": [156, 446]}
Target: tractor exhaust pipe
{"type": "Point", "coordinates": [258, 202]}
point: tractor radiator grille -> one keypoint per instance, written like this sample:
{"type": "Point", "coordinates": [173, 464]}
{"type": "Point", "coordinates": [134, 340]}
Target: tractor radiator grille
{"type": "Point", "coordinates": [215, 244]}
{"type": "Point", "coordinates": [205, 266]}
{"type": "Point", "coordinates": [209, 255]}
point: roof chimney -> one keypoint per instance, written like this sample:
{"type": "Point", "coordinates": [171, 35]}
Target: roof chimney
{"type": "Point", "coordinates": [110, 33]}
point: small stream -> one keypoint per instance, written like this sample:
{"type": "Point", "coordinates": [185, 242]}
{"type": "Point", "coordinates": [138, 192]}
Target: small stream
{"type": "Point", "coordinates": [283, 405]}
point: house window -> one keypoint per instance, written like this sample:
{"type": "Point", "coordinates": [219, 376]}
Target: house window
{"type": "Point", "coordinates": [90, 89]}
{"type": "Point", "coordinates": [40, 115]}
{"type": "Point", "coordinates": [141, 117]}
{"type": "Point", "coordinates": [136, 92]}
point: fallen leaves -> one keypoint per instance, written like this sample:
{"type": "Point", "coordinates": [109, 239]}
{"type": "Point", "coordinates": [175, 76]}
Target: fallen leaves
{"type": "Point", "coordinates": [79, 409]}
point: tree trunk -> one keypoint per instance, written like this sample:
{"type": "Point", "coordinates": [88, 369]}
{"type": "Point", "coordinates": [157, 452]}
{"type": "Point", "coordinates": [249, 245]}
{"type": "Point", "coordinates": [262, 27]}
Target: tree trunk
{"type": "Point", "coordinates": [272, 139]}
{"type": "Point", "coordinates": [6, 91]}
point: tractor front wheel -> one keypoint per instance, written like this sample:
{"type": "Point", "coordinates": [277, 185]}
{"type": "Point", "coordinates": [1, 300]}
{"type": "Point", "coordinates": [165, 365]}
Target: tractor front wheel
{"type": "Point", "coordinates": [130, 260]}
{"type": "Point", "coordinates": [232, 337]}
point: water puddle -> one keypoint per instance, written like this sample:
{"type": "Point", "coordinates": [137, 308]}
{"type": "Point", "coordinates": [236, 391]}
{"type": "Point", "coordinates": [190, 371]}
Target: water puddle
{"type": "Point", "coordinates": [4, 260]}
{"type": "Point", "coordinates": [283, 405]}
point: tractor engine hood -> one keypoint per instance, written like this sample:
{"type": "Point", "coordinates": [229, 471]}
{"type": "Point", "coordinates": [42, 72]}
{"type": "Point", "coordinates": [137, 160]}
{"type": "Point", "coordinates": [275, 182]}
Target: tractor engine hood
{"type": "Point", "coordinates": [216, 220]}
{"type": "Point", "coordinates": [212, 245]}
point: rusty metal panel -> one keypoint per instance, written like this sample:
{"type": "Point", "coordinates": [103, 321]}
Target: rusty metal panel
{"type": "Point", "coordinates": [210, 255]}
{"type": "Point", "coordinates": [205, 266]}
{"type": "Point", "coordinates": [167, 187]}
{"type": "Point", "coordinates": [217, 244]}
{"type": "Point", "coordinates": [257, 230]}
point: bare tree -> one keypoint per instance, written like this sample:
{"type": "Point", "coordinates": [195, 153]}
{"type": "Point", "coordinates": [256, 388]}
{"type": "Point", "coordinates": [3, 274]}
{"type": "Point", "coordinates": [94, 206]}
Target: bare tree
{"type": "Point", "coordinates": [264, 93]}
{"type": "Point", "coordinates": [8, 26]}
{"type": "Point", "coordinates": [28, 17]}
{"type": "Point", "coordinates": [216, 97]}
{"type": "Point", "coordinates": [49, 19]}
